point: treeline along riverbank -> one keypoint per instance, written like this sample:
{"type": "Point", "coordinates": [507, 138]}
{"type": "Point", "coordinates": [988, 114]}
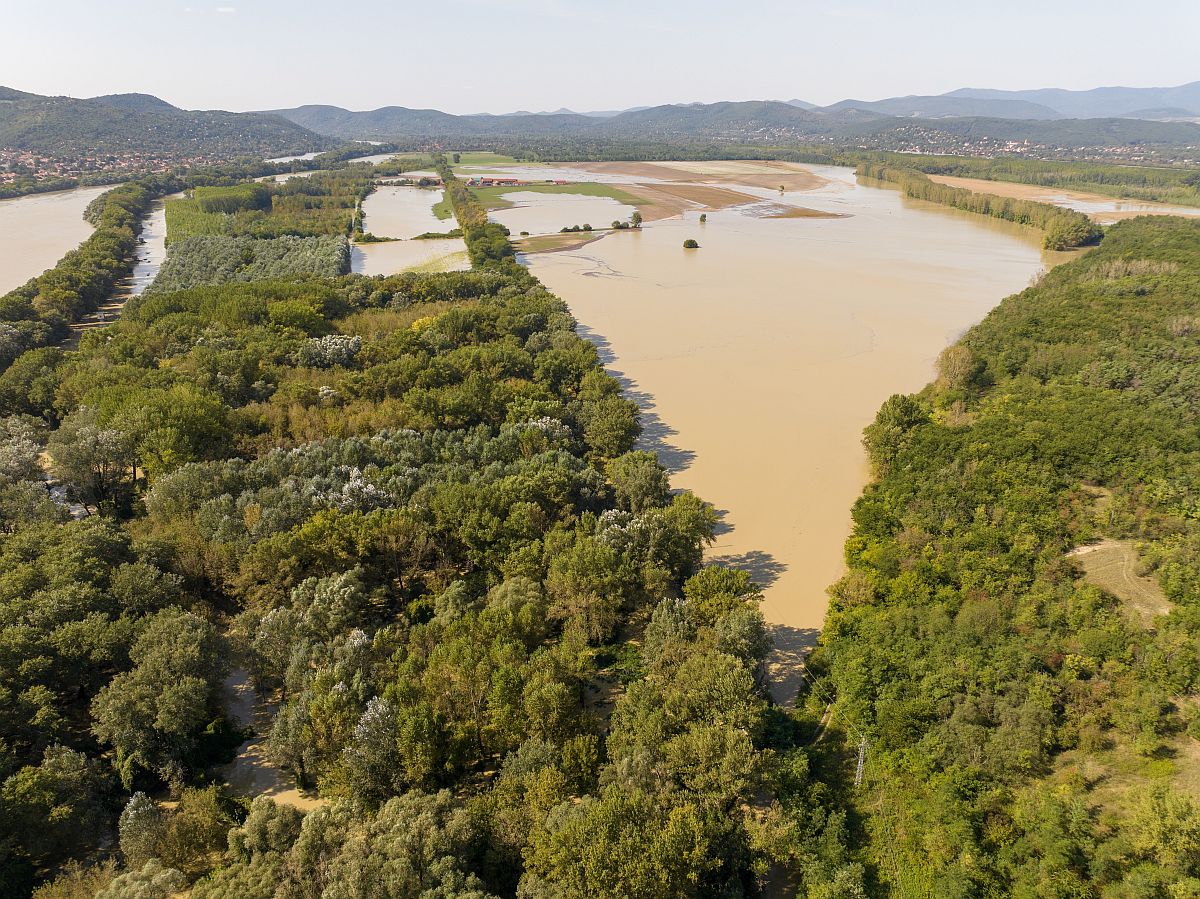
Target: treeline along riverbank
{"type": "Point", "coordinates": [1028, 732]}
{"type": "Point", "coordinates": [1064, 229]}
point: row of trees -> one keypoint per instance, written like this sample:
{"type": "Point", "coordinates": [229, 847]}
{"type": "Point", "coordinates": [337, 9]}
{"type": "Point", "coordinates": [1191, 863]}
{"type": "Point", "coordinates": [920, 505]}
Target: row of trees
{"type": "Point", "coordinates": [487, 242]}
{"type": "Point", "coordinates": [199, 261]}
{"type": "Point", "coordinates": [1159, 183]}
{"type": "Point", "coordinates": [40, 312]}
{"type": "Point", "coordinates": [1064, 228]}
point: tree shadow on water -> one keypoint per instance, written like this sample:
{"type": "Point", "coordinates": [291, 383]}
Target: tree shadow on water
{"type": "Point", "coordinates": [656, 433]}
{"type": "Point", "coordinates": [763, 567]}
{"type": "Point", "coordinates": [603, 348]}
{"type": "Point", "coordinates": [722, 527]}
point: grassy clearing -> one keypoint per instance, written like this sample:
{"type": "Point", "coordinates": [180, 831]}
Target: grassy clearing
{"type": "Point", "coordinates": [1115, 775]}
{"type": "Point", "coordinates": [448, 263]}
{"type": "Point", "coordinates": [1113, 566]}
{"type": "Point", "coordinates": [442, 208]}
{"type": "Point", "coordinates": [493, 197]}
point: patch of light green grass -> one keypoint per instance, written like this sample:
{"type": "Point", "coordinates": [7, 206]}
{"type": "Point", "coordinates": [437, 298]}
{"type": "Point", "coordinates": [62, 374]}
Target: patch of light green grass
{"type": "Point", "coordinates": [493, 197]}
{"type": "Point", "coordinates": [442, 208]}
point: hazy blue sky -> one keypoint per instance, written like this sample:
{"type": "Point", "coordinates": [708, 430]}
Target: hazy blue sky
{"type": "Point", "coordinates": [502, 55]}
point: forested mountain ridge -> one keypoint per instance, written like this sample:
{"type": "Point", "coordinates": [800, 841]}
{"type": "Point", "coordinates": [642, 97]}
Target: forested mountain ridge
{"type": "Point", "coordinates": [1049, 103]}
{"type": "Point", "coordinates": [764, 122]}
{"type": "Point", "coordinates": [139, 123]}
{"type": "Point", "coordinates": [944, 106]}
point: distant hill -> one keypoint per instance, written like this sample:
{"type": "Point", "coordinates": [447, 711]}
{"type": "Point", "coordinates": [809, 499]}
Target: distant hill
{"type": "Point", "coordinates": [1166, 114]}
{"type": "Point", "coordinates": [692, 120]}
{"type": "Point", "coordinates": [942, 106]}
{"type": "Point", "coordinates": [125, 123]}
{"type": "Point", "coordinates": [1100, 102]}
{"type": "Point", "coordinates": [925, 123]}
{"type": "Point", "coordinates": [390, 122]}
{"type": "Point", "coordinates": [137, 103]}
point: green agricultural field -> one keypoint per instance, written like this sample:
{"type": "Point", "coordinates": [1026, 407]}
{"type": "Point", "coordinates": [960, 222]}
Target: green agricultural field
{"type": "Point", "coordinates": [326, 203]}
{"type": "Point", "coordinates": [483, 158]}
{"type": "Point", "coordinates": [493, 197]}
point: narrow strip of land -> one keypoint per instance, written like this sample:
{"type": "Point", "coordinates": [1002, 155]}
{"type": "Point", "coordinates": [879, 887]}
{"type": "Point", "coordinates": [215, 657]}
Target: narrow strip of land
{"type": "Point", "coordinates": [1072, 198]}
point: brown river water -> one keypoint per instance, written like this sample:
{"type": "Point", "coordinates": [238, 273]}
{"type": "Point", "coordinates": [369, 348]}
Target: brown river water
{"type": "Point", "coordinates": [38, 230]}
{"type": "Point", "coordinates": [402, 212]}
{"type": "Point", "coordinates": [760, 357]}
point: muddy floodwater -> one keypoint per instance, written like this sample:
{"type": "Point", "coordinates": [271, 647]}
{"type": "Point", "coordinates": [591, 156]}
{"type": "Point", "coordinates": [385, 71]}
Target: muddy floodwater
{"type": "Point", "coordinates": [404, 212]}
{"type": "Point", "coordinates": [540, 213]}
{"type": "Point", "coordinates": [152, 246]}
{"type": "Point", "coordinates": [39, 230]}
{"type": "Point", "coordinates": [760, 357]}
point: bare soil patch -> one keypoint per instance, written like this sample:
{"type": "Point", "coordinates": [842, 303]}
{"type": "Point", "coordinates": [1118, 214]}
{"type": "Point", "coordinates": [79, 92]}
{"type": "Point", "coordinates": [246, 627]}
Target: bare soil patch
{"type": "Point", "coordinates": [701, 194]}
{"type": "Point", "coordinates": [556, 243]}
{"type": "Point", "coordinates": [749, 173]}
{"type": "Point", "coordinates": [783, 211]}
{"type": "Point", "coordinates": [662, 201]}
{"type": "Point", "coordinates": [253, 773]}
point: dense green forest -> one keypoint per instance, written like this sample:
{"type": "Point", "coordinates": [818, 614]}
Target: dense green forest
{"type": "Point", "coordinates": [1029, 733]}
{"type": "Point", "coordinates": [1064, 229]}
{"type": "Point", "coordinates": [326, 202]}
{"type": "Point", "coordinates": [199, 261]}
{"type": "Point", "coordinates": [409, 509]}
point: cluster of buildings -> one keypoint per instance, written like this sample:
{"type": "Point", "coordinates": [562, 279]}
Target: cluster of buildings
{"type": "Point", "coordinates": [507, 182]}
{"type": "Point", "coordinates": [26, 165]}
{"type": "Point", "coordinates": [922, 138]}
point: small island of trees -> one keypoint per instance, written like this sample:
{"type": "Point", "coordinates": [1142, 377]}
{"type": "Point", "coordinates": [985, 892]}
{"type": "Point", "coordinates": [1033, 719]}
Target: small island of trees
{"type": "Point", "coordinates": [690, 244]}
